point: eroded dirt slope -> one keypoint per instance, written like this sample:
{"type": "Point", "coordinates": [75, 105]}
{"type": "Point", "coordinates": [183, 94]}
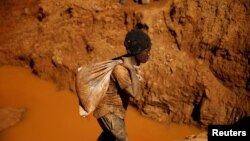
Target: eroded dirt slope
{"type": "Point", "coordinates": [198, 72]}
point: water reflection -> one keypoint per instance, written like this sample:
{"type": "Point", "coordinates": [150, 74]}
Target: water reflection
{"type": "Point", "coordinates": [53, 115]}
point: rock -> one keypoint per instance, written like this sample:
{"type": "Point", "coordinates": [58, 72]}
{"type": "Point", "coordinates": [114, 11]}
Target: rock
{"type": "Point", "coordinates": [145, 1]}
{"type": "Point", "coordinates": [199, 137]}
{"type": "Point", "coordinates": [10, 116]}
{"type": "Point", "coordinates": [198, 70]}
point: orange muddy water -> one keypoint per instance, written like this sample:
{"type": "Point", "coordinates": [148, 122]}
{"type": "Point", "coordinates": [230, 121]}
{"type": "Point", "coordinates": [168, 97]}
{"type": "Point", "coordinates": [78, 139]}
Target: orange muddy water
{"type": "Point", "coordinates": [52, 115]}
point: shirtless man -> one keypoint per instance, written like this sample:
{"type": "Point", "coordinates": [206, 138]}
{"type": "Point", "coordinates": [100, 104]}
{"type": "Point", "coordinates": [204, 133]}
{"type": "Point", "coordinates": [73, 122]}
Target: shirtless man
{"type": "Point", "coordinates": [124, 83]}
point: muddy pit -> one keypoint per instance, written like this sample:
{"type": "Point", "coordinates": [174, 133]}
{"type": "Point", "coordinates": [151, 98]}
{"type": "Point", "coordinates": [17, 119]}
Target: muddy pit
{"type": "Point", "coordinates": [198, 73]}
{"type": "Point", "coordinates": [51, 114]}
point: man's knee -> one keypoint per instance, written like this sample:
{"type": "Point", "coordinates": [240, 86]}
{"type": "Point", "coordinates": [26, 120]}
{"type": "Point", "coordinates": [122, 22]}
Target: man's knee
{"type": "Point", "coordinates": [120, 135]}
{"type": "Point", "coordinates": [124, 138]}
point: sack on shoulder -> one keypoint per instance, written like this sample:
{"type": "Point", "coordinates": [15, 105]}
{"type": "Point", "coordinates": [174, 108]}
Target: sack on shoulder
{"type": "Point", "coordinates": [92, 82]}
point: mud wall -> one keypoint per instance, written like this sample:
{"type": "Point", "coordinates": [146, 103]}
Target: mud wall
{"type": "Point", "coordinates": [198, 72]}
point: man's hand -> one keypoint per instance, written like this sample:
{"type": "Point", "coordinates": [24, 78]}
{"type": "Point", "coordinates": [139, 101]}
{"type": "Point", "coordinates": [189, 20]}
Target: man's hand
{"type": "Point", "coordinates": [82, 112]}
{"type": "Point", "coordinates": [134, 89]}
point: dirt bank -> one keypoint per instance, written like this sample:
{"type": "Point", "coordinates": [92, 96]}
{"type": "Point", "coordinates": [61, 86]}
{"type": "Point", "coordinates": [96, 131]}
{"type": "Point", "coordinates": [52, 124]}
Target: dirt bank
{"type": "Point", "coordinates": [198, 72]}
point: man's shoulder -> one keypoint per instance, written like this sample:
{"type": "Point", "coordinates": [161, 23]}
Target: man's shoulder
{"type": "Point", "coordinates": [120, 70]}
{"type": "Point", "coordinates": [122, 76]}
{"type": "Point", "coordinates": [120, 67]}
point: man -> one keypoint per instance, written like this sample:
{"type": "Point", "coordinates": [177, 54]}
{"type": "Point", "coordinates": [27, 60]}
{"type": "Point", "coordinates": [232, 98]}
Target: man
{"type": "Point", "coordinates": [124, 83]}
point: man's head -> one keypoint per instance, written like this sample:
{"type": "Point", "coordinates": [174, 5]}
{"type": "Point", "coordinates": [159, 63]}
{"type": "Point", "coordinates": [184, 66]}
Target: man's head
{"type": "Point", "coordinates": [138, 44]}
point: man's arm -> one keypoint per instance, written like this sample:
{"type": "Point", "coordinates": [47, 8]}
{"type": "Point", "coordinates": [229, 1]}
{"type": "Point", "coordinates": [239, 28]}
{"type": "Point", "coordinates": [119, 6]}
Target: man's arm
{"type": "Point", "coordinates": [134, 89]}
{"type": "Point", "coordinates": [128, 80]}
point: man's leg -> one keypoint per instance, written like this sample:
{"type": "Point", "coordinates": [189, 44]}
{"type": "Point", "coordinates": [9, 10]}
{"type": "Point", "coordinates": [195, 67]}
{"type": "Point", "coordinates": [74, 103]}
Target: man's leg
{"type": "Point", "coordinates": [105, 124]}
{"type": "Point", "coordinates": [106, 136]}
{"type": "Point", "coordinates": [118, 129]}
{"type": "Point", "coordinates": [113, 128]}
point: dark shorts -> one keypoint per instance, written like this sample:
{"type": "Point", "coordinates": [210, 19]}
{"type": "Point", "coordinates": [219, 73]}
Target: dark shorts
{"type": "Point", "coordinates": [113, 128]}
